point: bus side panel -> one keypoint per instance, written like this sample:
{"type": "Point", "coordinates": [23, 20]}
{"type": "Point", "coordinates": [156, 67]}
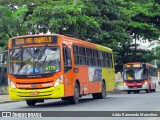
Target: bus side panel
{"type": "Point", "coordinates": [71, 77]}
{"type": "Point", "coordinates": [86, 79]}
{"type": "Point", "coordinates": [82, 76]}
{"type": "Point", "coordinates": [94, 87]}
{"type": "Point", "coordinates": [68, 83]}
{"type": "Point", "coordinates": [95, 78]}
{"type": "Point", "coordinates": [109, 77]}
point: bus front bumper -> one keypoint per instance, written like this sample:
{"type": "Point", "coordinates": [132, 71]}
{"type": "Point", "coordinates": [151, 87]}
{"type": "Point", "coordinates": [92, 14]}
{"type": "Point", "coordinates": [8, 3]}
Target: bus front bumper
{"type": "Point", "coordinates": [126, 88]}
{"type": "Point", "coordinates": [29, 94]}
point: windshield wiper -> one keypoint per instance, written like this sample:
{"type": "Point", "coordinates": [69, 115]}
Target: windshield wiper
{"type": "Point", "coordinates": [41, 53]}
{"type": "Point", "coordinates": [18, 55]}
{"type": "Point", "coordinates": [43, 61]}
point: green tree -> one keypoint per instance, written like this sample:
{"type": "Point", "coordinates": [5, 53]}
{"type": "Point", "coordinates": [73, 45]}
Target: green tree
{"type": "Point", "coordinates": [144, 15]}
{"type": "Point", "coordinates": [117, 24]}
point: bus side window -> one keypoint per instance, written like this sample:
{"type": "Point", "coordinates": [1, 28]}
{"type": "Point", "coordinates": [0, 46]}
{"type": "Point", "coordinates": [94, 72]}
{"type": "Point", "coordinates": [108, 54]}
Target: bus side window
{"type": "Point", "coordinates": [3, 58]}
{"type": "Point", "coordinates": [68, 53]}
{"type": "Point", "coordinates": [67, 59]}
{"type": "Point", "coordinates": [144, 73]}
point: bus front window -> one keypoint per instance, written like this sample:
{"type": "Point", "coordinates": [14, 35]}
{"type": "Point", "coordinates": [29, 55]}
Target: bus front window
{"type": "Point", "coordinates": [129, 74]}
{"type": "Point", "coordinates": [135, 74]}
{"type": "Point", "coordinates": [35, 60]}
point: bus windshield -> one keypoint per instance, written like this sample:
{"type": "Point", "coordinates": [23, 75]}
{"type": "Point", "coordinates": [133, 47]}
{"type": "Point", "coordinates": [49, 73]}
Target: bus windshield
{"type": "Point", "coordinates": [135, 74]}
{"type": "Point", "coordinates": [34, 60]}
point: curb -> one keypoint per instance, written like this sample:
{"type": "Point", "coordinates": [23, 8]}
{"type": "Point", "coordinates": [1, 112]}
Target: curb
{"type": "Point", "coordinates": [3, 102]}
{"type": "Point", "coordinates": [117, 92]}
{"type": "Point", "coordinates": [8, 101]}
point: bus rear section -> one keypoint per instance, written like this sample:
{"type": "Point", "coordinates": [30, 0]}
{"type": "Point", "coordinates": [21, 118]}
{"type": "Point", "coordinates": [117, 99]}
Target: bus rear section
{"type": "Point", "coordinates": [139, 77]}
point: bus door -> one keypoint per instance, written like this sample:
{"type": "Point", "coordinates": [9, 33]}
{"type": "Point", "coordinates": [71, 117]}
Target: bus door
{"type": "Point", "coordinates": [68, 71]}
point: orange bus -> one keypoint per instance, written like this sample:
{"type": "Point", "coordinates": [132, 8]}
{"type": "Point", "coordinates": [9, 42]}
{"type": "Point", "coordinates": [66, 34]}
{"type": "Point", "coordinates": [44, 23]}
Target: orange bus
{"type": "Point", "coordinates": [140, 76]}
{"type": "Point", "coordinates": [56, 66]}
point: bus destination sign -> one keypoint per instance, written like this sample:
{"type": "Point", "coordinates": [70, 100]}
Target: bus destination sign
{"type": "Point", "coordinates": [34, 40]}
{"type": "Point", "coordinates": [133, 65]}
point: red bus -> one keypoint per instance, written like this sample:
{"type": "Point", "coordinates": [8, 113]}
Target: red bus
{"type": "Point", "coordinates": [56, 66]}
{"type": "Point", "coordinates": [140, 76]}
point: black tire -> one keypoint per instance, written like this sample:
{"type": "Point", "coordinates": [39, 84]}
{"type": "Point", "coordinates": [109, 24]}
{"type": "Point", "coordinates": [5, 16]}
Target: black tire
{"type": "Point", "coordinates": [95, 95]}
{"type": "Point", "coordinates": [147, 90]}
{"type": "Point", "coordinates": [136, 91]}
{"type": "Point", "coordinates": [65, 98]}
{"type": "Point", "coordinates": [154, 90]}
{"type": "Point", "coordinates": [129, 92]}
{"type": "Point", "coordinates": [102, 94]}
{"type": "Point", "coordinates": [31, 102]}
{"type": "Point", "coordinates": [75, 99]}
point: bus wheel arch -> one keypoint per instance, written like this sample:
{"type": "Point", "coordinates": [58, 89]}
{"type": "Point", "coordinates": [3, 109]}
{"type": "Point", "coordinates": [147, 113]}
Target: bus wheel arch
{"type": "Point", "coordinates": [154, 90]}
{"type": "Point", "coordinates": [102, 95]}
{"type": "Point", "coordinates": [75, 98]}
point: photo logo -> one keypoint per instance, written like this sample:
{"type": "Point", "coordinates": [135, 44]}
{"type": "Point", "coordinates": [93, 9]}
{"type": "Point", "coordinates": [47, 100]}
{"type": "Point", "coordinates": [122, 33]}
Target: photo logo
{"type": "Point", "coordinates": [6, 114]}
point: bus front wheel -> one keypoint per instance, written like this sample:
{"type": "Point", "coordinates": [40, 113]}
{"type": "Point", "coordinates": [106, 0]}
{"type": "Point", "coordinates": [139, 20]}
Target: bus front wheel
{"type": "Point", "coordinates": [137, 91]}
{"type": "Point", "coordinates": [128, 92]}
{"type": "Point", "coordinates": [75, 98]}
{"type": "Point", "coordinates": [31, 102]}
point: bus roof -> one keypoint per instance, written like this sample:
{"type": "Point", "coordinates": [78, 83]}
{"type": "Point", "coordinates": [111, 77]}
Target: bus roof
{"type": "Point", "coordinates": [141, 63]}
{"type": "Point", "coordinates": [75, 40]}
{"type": "Point", "coordinates": [88, 44]}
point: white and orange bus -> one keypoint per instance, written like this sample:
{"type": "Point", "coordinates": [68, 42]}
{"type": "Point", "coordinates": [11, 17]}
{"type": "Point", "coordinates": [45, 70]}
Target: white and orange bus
{"type": "Point", "coordinates": [56, 66]}
{"type": "Point", "coordinates": [140, 76]}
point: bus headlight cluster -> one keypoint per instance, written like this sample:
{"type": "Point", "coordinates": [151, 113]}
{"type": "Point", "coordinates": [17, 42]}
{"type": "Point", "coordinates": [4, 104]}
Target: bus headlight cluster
{"type": "Point", "coordinates": [58, 81]}
{"type": "Point", "coordinates": [124, 84]}
{"type": "Point", "coordinates": [11, 83]}
{"type": "Point", "coordinates": [145, 83]}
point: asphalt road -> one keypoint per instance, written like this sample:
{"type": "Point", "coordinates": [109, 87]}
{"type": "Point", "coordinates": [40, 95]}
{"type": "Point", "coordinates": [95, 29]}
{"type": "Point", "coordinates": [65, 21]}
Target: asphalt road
{"type": "Point", "coordinates": [114, 102]}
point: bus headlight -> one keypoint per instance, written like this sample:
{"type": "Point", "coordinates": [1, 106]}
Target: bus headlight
{"type": "Point", "coordinates": [58, 81]}
{"type": "Point", "coordinates": [145, 83]}
{"type": "Point", "coordinates": [11, 83]}
{"type": "Point", "coordinates": [124, 84]}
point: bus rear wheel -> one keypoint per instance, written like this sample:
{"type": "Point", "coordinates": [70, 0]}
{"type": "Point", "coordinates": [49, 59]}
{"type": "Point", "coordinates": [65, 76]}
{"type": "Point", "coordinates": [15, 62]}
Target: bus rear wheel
{"type": "Point", "coordinates": [75, 98]}
{"type": "Point", "coordinates": [31, 102]}
{"type": "Point", "coordinates": [147, 90]}
{"type": "Point", "coordinates": [154, 90]}
{"type": "Point", "coordinates": [102, 94]}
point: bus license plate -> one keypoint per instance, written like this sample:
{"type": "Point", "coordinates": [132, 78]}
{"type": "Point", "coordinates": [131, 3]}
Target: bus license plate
{"type": "Point", "coordinates": [34, 93]}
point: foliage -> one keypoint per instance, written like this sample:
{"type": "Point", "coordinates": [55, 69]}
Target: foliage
{"type": "Point", "coordinates": [117, 24]}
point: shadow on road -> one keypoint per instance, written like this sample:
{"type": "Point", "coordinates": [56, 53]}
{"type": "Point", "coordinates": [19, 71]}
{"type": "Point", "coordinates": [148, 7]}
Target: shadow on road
{"type": "Point", "coordinates": [64, 103]}
{"type": "Point", "coordinates": [141, 92]}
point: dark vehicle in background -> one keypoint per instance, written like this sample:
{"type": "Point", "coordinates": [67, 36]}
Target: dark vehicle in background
{"type": "Point", "coordinates": [3, 68]}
